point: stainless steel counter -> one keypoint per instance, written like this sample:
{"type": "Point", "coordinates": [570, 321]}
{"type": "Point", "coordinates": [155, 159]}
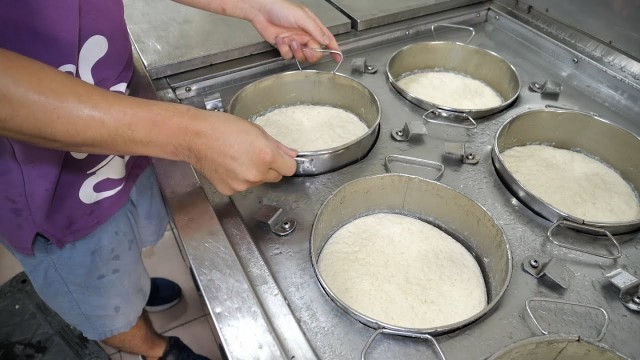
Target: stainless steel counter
{"type": "Point", "coordinates": [173, 38]}
{"type": "Point", "coordinates": [260, 287]}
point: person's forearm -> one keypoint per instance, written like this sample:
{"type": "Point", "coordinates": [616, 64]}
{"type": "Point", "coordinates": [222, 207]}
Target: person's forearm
{"type": "Point", "coordinates": [238, 9]}
{"type": "Point", "coordinates": [45, 107]}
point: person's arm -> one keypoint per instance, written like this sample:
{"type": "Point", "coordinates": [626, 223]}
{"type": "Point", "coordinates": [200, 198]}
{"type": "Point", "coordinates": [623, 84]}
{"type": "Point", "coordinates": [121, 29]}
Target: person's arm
{"type": "Point", "coordinates": [45, 107]}
{"type": "Point", "coordinates": [291, 28]}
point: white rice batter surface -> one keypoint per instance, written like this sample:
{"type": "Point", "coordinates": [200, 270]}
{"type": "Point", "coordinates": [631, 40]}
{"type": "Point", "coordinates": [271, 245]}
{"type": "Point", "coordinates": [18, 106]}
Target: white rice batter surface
{"type": "Point", "coordinates": [402, 271]}
{"type": "Point", "coordinates": [573, 182]}
{"type": "Point", "coordinates": [450, 89]}
{"type": "Point", "coordinates": [312, 127]}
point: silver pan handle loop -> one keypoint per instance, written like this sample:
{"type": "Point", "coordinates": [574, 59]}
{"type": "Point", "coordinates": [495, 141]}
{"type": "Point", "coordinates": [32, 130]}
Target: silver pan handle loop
{"type": "Point", "coordinates": [473, 32]}
{"type": "Point", "coordinates": [436, 112]}
{"type": "Point", "coordinates": [576, 226]}
{"type": "Point", "coordinates": [558, 107]}
{"type": "Point", "coordinates": [393, 332]}
{"type": "Point", "coordinates": [414, 161]}
{"type": "Point", "coordinates": [325, 51]}
{"type": "Point", "coordinates": [545, 332]}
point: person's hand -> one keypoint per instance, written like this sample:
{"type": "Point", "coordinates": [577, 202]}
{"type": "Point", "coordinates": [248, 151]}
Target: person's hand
{"type": "Point", "coordinates": [293, 29]}
{"type": "Point", "coordinates": [235, 154]}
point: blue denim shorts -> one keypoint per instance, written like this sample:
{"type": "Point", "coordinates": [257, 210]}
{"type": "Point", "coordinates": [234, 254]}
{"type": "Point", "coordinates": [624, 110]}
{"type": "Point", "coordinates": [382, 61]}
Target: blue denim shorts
{"type": "Point", "coordinates": [99, 284]}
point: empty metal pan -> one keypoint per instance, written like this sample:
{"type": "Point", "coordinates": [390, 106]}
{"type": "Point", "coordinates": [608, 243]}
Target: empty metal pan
{"type": "Point", "coordinates": [472, 61]}
{"type": "Point", "coordinates": [310, 87]}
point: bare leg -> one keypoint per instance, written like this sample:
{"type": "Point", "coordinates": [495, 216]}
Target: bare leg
{"type": "Point", "coordinates": [141, 339]}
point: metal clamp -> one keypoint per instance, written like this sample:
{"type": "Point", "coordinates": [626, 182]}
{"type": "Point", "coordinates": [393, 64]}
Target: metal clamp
{"type": "Point", "coordinates": [535, 321]}
{"type": "Point", "coordinates": [360, 65]}
{"type": "Point", "coordinates": [213, 102]}
{"type": "Point", "coordinates": [538, 268]}
{"type": "Point", "coordinates": [576, 226]}
{"type": "Point", "coordinates": [274, 217]}
{"type": "Point", "coordinates": [443, 113]}
{"type": "Point", "coordinates": [394, 332]}
{"type": "Point", "coordinates": [414, 161]}
{"type": "Point", "coordinates": [458, 150]}
{"type": "Point", "coordinates": [473, 32]}
{"type": "Point", "coordinates": [325, 51]}
{"type": "Point", "coordinates": [548, 87]}
{"type": "Point", "coordinates": [629, 287]}
{"type": "Point", "coordinates": [410, 129]}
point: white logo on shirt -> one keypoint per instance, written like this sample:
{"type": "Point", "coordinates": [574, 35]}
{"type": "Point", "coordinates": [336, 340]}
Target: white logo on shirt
{"type": "Point", "coordinates": [113, 167]}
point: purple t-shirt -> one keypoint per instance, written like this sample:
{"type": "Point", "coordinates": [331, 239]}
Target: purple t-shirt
{"type": "Point", "coordinates": [64, 195]}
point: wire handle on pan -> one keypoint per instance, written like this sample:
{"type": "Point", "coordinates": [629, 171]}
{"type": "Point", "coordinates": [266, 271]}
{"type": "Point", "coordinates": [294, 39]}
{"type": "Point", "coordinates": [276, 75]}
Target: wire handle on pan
{"type": "Point", "coordinates": [558, 107]}
{"type": "Point", "coordinates": [535, 321]}
{"type": "Point", "coordinates": [473, 32]}
{"type": "Point", "coordinates": [393, 332]}
{"type": "Point", "coordinates": [576, 226]}
{"type": "Point", "coordinates": [414, 161]}
{"type": "Point", "coordinates": [442, 112]}
{"type": "Point", "coordinates": [325, 51]}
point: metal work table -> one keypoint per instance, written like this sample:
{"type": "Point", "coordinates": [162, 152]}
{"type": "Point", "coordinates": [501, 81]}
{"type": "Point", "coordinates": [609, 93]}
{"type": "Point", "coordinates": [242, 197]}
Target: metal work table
{"type": "Point", "coordinates": [172, 38]}
{"type": "Point", "coordinates": [260, 287]}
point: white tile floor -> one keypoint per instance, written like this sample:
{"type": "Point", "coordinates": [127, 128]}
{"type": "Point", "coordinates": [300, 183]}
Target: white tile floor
{"type": "Point", "coordinates": [188, 319]}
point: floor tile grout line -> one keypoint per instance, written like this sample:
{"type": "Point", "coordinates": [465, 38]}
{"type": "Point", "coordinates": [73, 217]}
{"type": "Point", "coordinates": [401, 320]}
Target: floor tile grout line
{"type": "Point", "coordinates": [186, 323]}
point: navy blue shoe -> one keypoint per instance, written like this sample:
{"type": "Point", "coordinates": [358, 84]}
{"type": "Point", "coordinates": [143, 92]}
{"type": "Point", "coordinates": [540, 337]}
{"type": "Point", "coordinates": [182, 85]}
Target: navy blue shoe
{"type": "Point", "coordinates": [163, 295]}
{"type": "Point", "coordinates": [177, 350]}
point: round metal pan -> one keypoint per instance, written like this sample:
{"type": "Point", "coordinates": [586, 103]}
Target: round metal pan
{"type": "Point", "coordinates": [477, 63]}
{"type": "Point", "coordinates": [443, 207]}
{"type": "Point", "coordinates": [557, 347]}
{"type": "Point", "coordinates": [315, 88]}
{"type": "Point", "coordinates": [566, 129]}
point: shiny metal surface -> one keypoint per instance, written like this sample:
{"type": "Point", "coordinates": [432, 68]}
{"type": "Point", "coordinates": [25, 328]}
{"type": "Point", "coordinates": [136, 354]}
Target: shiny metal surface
{"type": "Point", "coordinates": [623, 32]}
{"type": "Point", "coordinates": [582, 41]}
{"type": "Point", "coordinates": [439, 205]}
{"type": "Point", "coordinates": [477, 63]}
{"type": "Point", "coordinates": [334, 334]}
{"type": "Point", "coordinates": [237, 303]}
{"type": "Point", "coordinates": [317, 88]}
{"type": "Point", "coordinates": [372, 13]}
{"type": "Point", "coordinates": [569, 130]}
{"type": "Point", "coordinates": [557, 347]}
{"type": "Point", "coordinates": [281, 266]}
{"type": "Point", "coordinates": [173, 38]}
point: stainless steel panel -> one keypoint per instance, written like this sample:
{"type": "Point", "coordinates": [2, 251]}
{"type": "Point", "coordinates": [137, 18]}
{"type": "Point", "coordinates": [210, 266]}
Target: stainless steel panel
{"type": "Point", "coordinates": [372, 13]}
{"type": "Point", "coordinates": [613, 22]}
{"type": "Point", "coordinates": [334, 335]}
{"type": "Point", "coordinates": [173, 38]}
